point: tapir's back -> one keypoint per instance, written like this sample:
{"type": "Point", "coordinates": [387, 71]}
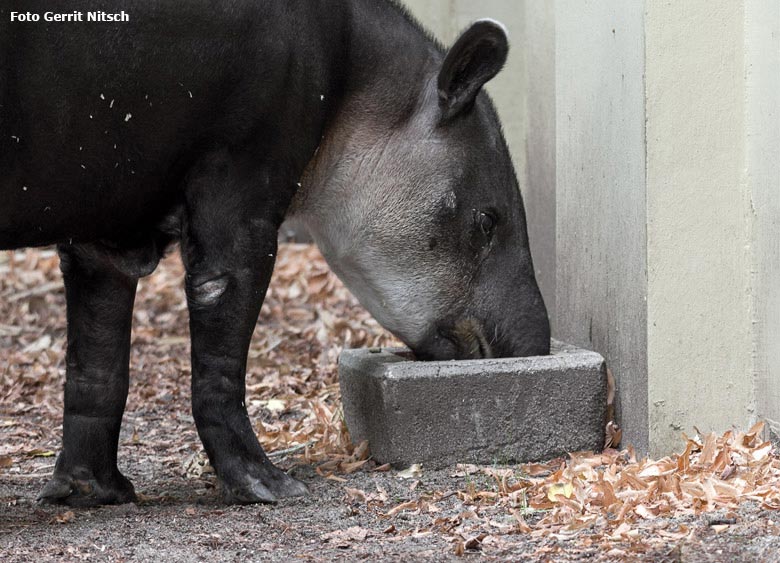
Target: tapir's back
{"type": "Point", "coordinates": [100, 121]}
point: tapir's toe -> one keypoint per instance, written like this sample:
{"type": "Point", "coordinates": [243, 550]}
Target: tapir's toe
{"type": "Point", "coordinates": [269, 486]}
{"type": "Point", "coordinates": [55, 490]}
{"type": "Point", "coordinates": [290, 487]}
{"type": "Point", "coordinates": [72, 491]}
{"type": "Point", "coordinates": [247, 493]}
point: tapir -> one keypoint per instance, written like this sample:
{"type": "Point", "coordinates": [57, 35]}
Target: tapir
{"type": "Point", "coordinates": [206, 124]}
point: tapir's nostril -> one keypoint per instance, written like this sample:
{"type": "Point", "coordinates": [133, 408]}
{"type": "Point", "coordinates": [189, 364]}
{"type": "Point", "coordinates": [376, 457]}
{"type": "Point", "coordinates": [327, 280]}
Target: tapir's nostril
{"type": "Point", "coordinates": [485, 349]}
{"type": "Point", "coordinates": [469, 337]}
{"type": "Point", "coordinates": [465, 340]}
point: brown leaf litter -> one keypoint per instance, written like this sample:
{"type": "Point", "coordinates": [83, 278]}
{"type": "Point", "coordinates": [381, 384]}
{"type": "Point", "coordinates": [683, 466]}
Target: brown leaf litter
{"type": "Point", "coordinates": [610, 498]}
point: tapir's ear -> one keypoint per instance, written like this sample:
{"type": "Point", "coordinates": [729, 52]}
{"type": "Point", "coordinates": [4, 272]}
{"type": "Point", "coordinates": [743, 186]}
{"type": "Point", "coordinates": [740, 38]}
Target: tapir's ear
{"type": "Point", "coordinates": [476, 57]}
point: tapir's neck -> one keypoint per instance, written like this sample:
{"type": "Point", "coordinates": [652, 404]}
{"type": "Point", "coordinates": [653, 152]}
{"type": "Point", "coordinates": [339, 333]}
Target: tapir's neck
{"type": "Point", "coordinates": [391, 62]}
{"type": "Point", "coordinates": [389, 54]}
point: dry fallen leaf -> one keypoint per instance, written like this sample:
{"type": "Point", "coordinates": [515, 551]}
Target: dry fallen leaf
{"type": "Point", "coordinates": [554, 492]}
{"type": "Point", "coordinates": [65, 517]}
{"type": "Point", "coordinates": [612, 435]}
{"type": "Point", "coordinates": [409, 505]}
{"type": "Point", "coordinates": [460, 548]}
{"type": "Point", "coordinates": [412, 472]}
{"type": "Point", "coordinates": [356, 494]}
{"type": "Point", "coordinates": [40, 453]}
{"type": "Point", "coordinates": [474, 542]}
{"type": "Point", "coordinates": [275, 405]}
{"type": "Point", "coordinates": [344, 538]}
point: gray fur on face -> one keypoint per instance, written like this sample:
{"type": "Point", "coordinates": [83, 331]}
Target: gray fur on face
{"type": "Point", "coordinates": [416, 207]}
{"type": "Point", "coordinates": [375, 202]}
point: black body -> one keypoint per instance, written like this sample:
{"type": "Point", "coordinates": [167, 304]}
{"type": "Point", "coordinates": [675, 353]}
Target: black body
{"type": "Point", "coordinates": [193, 122]}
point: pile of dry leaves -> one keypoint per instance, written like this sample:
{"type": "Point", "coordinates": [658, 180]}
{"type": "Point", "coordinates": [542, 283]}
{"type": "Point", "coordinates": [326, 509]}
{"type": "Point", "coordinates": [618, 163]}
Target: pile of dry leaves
{"type": "Point", "coordinates": [610, 492]}
{"type": "Point", "coordinates": [292, 393]}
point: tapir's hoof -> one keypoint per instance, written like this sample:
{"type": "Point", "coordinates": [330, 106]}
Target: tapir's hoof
{"type": "Point", "coordinates": [274, 485]}
{"type": "Point", "coordinates": [67, 489]}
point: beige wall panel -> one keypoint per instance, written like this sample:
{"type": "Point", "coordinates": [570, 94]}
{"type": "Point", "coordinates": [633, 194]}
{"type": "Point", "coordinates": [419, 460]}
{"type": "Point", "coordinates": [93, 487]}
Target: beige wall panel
{"type": "Point", "coordinates": [698, 238]}
{"type": "Point", "coordinates": [763, 165]}
{"type": "Point", "coordinates": [600, 193]}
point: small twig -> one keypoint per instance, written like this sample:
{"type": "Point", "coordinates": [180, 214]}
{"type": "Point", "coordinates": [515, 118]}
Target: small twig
{"type": "Point", "coordinates": [35, 291]}
{"type": "Point", "coordinates": [721, 521]}
{"type": "Point", "coordinates": [47, 467]}
{"type": "Point", "coordinates": [292, 450]}
{"type": "Point", "coordinates": [9, 330]}
{"type": "Point", "coordinates": [448, 495]}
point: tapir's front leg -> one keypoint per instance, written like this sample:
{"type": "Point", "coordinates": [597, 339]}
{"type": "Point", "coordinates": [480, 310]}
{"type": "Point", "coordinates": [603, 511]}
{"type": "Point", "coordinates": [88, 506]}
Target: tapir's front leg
{"type": "Point", "coordinates": [228, 246]}
{"type": "Point", "coordinates": [100, 305]}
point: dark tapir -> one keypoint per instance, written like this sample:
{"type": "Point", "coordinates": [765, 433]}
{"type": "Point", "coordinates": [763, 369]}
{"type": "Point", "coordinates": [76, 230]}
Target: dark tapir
{"type": "Point", "coordinates": [204, 123]}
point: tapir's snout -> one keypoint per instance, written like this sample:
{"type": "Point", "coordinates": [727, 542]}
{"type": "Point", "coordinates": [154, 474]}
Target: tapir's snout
{"type": "Point", "coordinates": [533, 340]}
{"type": "Point", "coordinates": [471, 339]}
{"type": "Point", "coordinates": [464, 339]}
{"type": "Point", "coordinates": [520, 325]}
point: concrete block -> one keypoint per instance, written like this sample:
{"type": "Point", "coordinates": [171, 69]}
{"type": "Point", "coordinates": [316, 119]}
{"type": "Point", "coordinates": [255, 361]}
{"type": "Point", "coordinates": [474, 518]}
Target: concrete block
{"type": "Point", "coordinates": [473, 411]}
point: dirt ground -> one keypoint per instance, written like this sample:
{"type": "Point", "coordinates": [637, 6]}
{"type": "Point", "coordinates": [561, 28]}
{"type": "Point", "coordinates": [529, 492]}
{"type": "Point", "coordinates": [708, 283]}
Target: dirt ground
{"type": "Point", "coordinates": [722, 507]}
{"type": "Point", "coordinates": [178, 520]}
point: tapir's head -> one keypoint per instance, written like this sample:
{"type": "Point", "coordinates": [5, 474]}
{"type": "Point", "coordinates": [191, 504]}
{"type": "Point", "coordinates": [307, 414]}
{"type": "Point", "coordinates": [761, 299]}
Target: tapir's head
{"type": "Point", "coordinates": [421, 215]}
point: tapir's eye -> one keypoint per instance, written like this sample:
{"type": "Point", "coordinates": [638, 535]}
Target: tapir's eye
{"type": "Point", "coordinates": [486, 223]}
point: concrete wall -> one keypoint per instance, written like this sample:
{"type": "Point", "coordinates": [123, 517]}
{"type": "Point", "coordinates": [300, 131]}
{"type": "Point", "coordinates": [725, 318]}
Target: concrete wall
{"type": "Point", "coordinates": [699, 220]}
{"type": "Point", "coordinates": [668, 207]}
{"type": "Point", "coordinates": [763, 176]}
{"type": "Point", "coordinates": [537, 45]}
{"type": "Point", "coordinates": [600, 193]}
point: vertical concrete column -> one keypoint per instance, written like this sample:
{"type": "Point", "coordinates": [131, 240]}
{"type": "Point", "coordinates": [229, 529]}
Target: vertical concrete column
{"type": "Point", "coordinates": [763, 168]}
{"type": "Point", "coordinates": [668, 207]}
{"type": "Point", "coordinates": [699, 332]}
{"type": "Point", "coordinates": [601, 277]}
